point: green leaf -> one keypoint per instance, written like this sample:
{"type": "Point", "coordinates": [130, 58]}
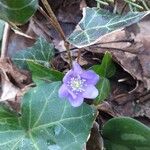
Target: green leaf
{"type": "Point", "coordinates": [103, 87]}
{"type": "Point", "coordinates": [10, 129]}
{"type": "Point", "coordinates": [106, 68]}
{"type": "Point", "coordinates": [40, 72]}
{"type": "Point", "coordinates": [126, 134]}
{"type": "Point", "coordinates": [97, 22]}
{"type": "Point", "coordinates": [6, 113]}
{"type": "Point", "coordinates": [47, 122]}
{"type": "Point", "coordinates": [41, 52]}
{"type": "Point", "coordinates": [17, 11]}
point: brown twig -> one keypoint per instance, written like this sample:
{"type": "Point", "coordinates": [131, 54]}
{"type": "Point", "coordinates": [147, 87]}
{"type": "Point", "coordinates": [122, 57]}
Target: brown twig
{"type": "Point", "coordinates": [79, 54]}
{"type": "Point", "coordinates": [56, 25]}
{"type": "Point", "coordinates": [49, 19]}
{"type": "Point", "coordinates": [123, 8]}
{"type": "Point", "coordinates": [5, 41]}
{"type": "Point", "coordinates": [113, 49]}
{"type": "Point", "coordinates": [118, 41]}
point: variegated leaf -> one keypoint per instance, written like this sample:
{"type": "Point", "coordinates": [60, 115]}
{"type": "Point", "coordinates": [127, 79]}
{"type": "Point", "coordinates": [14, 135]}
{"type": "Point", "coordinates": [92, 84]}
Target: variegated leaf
{"type": "Point", "coordinates": [97, 22]}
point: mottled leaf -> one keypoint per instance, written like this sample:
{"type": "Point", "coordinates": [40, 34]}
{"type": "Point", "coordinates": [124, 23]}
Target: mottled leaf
{"type": "Point", "coordinates": [41, 52]}
{"type": "Point", "coordinates": [103, 87]}
{"type": "Point", "coordinates": [46, 122]}
{"type": "Point", "coordinates": [40, 72]}
{"type": "Point", "coordinates": [124, 133]}
{"type": "Point", "coordinates": [17, 11]}
{"type": "Point", "coordinates": [98, 22]}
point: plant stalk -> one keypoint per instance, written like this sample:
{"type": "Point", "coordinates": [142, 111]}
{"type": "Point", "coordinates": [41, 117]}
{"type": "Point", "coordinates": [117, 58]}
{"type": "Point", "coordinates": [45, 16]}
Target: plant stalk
{"type": "Point", "coordinates": [58, 28]}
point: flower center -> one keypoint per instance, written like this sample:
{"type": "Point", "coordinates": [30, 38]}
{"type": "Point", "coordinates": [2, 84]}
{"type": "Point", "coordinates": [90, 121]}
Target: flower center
{"type": "Point", "coordinates": [77, 84]}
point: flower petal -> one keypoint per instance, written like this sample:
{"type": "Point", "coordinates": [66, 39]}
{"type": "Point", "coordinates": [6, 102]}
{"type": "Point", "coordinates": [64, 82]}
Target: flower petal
{"type": "Point", "coordinates": [90, 92]}
{"type": "Point", "coordinates": [90, 76]}
{"type": "Point", "coordinates": [76, 68]}
{"type": "Point", "coordinates": [68, 76]}
{"type": "Point", "coordinates": [72, 94]}
{"type": "Point", "coordinates": [76, 102]}
{"type": "Point", "coordinates": [63, 92]}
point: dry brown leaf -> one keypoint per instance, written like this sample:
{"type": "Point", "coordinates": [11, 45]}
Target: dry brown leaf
{"type": "Point", "coordinates": [20, 77]}
{"type": "Point", "coordinates": [131, 49]}
{"type": "Point", "coordinates": [107, 108]}
{"type": "Point", "coordinates": [142, 110]}
{"type": "Point", "coordinates": [9, 91]}
{"type": "Point", "coordinates": [13, 80]}
{"type": "Point", "coordinates": [95, 141]}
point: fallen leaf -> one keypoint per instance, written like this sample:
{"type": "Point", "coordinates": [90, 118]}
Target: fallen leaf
{"type": "Point", "coordinates": [9, 91]}
{"type": "Point", "coordinates": [130, 49]}
{"type": "Point", "coordinates": [95, 141]}
{"type": "Point", "coordinates": [14, 83]}
{"type": "Point", "coordinates": [20, 77]}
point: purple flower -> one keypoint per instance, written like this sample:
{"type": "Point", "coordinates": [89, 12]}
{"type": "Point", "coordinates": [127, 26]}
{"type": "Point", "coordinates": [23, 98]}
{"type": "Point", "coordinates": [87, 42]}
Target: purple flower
{"type": "Point", "coordinates": [79, 84]}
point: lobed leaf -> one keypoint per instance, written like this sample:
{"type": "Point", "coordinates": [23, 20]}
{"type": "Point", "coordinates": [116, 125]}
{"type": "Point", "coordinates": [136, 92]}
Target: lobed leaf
{"type": "Point", "coordinates": [98, 22]}
{"type": "Point", "coordinates": [41, 52]}
{"type": "Point", "coordinates": [46, 122]}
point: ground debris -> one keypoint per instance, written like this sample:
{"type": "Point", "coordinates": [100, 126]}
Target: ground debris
{"type": "Point", "coordinates": [14, 82]}
{"type": "Point", "coordinates": [130, 49]}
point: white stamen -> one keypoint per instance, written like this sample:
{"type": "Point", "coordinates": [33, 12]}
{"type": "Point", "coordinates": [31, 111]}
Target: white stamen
{"type": "Point", "coordinates": [77, 84]}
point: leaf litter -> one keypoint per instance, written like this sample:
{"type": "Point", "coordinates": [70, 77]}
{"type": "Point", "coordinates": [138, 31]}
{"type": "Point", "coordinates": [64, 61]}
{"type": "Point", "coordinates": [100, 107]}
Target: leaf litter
{"type": "Point", "coordinates": [14, 82]}
{"type": "Point", "coordinates": [130, 50]}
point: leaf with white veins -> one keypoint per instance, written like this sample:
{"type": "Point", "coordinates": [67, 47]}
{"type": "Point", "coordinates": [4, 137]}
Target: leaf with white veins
{"type": "Point", "coordinates": [46, 122]}
{"type": "Point", "coordinates": [98, 22]}
{"type": "Point", "coordinates": [41, 52]}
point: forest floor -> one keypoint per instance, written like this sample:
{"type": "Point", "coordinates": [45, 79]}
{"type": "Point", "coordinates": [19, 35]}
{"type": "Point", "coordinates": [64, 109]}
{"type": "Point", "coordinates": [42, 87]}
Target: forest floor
{"type": "Point", "coordinates": [130, 49]}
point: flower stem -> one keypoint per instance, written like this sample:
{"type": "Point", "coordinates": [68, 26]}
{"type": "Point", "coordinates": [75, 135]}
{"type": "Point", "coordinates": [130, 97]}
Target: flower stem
{"type": "Point", "coordinates": [58, 28]}
{"type": "Point", "coordinates": [79, 54]}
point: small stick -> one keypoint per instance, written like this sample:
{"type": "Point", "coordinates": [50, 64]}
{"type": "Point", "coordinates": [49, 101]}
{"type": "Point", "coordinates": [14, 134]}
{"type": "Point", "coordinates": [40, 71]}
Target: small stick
{"type": "Point", "coordinates": [79, 54]}
{"type": "Point", "coordinates": [113, 49]}
{"type": "Point", "coordinates": [115, 7]}
{"type": "Point", "coordinates": [58, 28]}
{"type": "Point", "coordinates": [53, 17]}
{"type": "Point", "coordinates": [123, 8]}
{"type": "Point", "coordinates": [5, 40]}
